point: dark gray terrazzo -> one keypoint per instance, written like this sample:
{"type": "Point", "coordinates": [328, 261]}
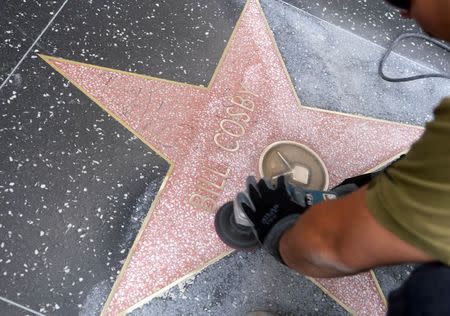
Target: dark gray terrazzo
{"type": "Point", "coordinates": [172, 39]}
{"type": "Point", "coordinates": [245, 281]}
{"type": "Point", "coordinates": [240, 283]}
{"type": "Point", "coordinates": [390, 278]}
{"type": "Point", "coordinates": [63, 157]}
{"type": "Point", "coordinates": [75, 187]}
{"type": "Point", "coordinates": [76, 184]}
{"type": "Point", "coordinates": [378, 22]}
{"type": "Point", "coordinates": [337, 70]}
{"type": "Point", "coordinates": [10, 310]}
{"type": "Point", "coordinates": [20, 23]}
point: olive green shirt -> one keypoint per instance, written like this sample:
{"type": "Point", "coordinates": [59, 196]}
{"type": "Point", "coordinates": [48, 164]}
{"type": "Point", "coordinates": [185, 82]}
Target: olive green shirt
{"type": "Point", "coordinates": [412, 197]}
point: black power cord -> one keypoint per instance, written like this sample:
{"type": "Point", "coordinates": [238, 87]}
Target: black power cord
{"type": "Point", "coordinates": [417, 77]}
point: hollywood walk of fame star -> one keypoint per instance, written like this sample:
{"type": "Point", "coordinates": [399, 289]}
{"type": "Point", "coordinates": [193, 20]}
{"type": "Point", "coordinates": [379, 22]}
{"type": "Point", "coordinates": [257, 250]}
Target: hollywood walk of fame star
{"type": "Point", "coordinates": [213, 137]}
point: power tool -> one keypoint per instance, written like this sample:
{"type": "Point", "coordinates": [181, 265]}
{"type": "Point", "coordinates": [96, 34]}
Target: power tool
{"type": "Point", "coordinates": [235, 229]}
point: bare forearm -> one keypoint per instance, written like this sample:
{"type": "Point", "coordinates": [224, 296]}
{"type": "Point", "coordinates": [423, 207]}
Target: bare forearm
{"type": "Point", "coordinates": [341, 237]}
{"type": "Point", "coordinates": [304, 248]}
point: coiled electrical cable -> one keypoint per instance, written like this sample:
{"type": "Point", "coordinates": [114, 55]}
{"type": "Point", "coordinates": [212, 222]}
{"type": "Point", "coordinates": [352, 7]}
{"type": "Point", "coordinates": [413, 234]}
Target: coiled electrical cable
{"type": "Point", "coordinates": [416, 77]}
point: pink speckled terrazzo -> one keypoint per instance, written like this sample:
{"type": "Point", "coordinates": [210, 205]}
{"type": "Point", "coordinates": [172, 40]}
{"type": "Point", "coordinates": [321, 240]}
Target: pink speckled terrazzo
{"type": "Point", "coordinates": [214, 137]}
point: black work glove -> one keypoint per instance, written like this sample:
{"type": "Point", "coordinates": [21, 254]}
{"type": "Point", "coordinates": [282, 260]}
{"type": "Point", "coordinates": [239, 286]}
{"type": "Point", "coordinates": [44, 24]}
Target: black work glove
{"type": "Point", "coordinates": [273, 208]}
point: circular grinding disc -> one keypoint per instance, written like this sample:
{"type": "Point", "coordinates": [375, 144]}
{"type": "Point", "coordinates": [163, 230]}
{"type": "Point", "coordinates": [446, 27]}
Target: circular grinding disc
{"type": "Point", "coordinates": [231, 233]}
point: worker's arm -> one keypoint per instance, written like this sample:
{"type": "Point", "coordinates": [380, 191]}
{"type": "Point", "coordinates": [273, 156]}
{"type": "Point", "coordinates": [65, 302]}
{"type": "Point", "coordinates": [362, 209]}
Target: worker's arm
{"type": "Point", "coordinates": [341, 237]}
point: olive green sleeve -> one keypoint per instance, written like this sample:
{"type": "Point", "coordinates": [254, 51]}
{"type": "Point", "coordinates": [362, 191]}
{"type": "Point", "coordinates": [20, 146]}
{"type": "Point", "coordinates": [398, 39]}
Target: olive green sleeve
{"type": "Point", "coordinates": [412, 197]}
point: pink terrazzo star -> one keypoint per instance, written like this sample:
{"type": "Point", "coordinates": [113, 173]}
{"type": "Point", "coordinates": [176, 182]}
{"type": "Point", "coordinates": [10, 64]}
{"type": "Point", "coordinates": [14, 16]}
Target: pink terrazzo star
{"type": "Point", "coordinates": [213, 138]}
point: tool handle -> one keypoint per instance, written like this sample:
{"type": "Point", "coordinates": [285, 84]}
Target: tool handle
{"type": "Point", "coordinates": [307, 197]}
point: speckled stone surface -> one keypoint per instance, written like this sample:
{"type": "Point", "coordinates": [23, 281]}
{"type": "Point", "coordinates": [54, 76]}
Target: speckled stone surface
{"type": "Point", "coordinates": [177, 40]}
{"type": "Point", "coordinates": [379, 23]}
{"type": "Point", "coordinates": [390, 278]}
{"type": "Point", "coordinates": [8, 309]}
{"type": "Point", "coordinates": [240, 283]}
{"type": "Point", "coordinates": [217, 134]}
{"type": "Point", "coordinates": [46, 122]}
{"type": "Point", "coordinates": [337, 70]}
{"type": "Point", "coordinates": [248, 281]}
{"type": "Point", "coordinates": [65, 183]}
{"type": "Point", "coordinates": [70, 206]}
{"type": "Point", "coordinates": [20, 24]}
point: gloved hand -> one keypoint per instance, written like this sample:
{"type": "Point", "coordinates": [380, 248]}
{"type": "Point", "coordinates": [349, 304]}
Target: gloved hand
{"type": "Point", "coordinates": [273, 208]}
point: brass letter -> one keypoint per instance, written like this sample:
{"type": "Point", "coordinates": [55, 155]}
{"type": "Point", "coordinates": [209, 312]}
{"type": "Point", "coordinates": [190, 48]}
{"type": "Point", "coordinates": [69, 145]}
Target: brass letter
{"type": "Point", "coordinates": [222, 126]}
{"type": "Point", "coordinates": [246, 118]}
{"type": "Point", "coordinates": [202, 202]}
{"type": "Point", "coordinates": [207, 183]}
{"type": "Point", "coordinates": [216, 140]}
{"type": "Point", "coordinates": [224, 175]}
{"type": "Point", "coordinates": [243, 103]}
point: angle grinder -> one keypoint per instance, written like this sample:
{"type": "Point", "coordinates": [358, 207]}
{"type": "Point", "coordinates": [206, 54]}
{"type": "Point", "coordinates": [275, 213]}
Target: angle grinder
{"type": "Point", "coordinates": [236, 230]}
